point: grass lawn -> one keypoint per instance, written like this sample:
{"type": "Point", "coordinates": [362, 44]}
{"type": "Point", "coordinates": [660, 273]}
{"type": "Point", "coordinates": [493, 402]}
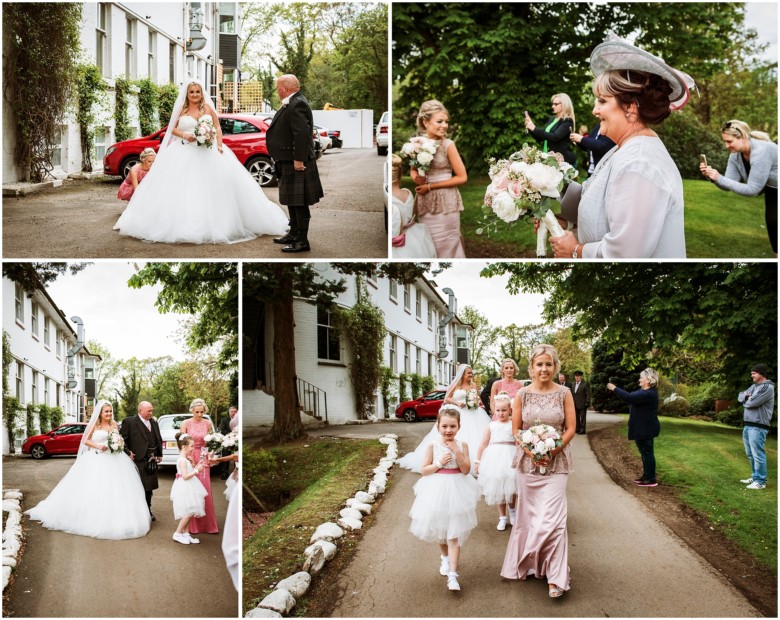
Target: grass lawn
{"type": "Point", "coordinates": [320, 474]}
{"type": "Point", "coordinates": [705, 461]}
{"type": "Point", "coordinates": [718, 224]}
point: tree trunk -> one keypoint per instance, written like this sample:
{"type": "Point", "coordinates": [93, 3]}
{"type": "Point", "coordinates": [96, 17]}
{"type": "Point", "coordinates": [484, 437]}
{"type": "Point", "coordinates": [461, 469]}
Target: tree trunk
{"type": "Point", "coordinates": [287, 424]}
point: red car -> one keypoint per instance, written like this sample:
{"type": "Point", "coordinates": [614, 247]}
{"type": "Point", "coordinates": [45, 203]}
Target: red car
{"type": "Point", "coordinates": [426, 406]}
{"type": "Point", "coordinates": [64, 439]}
{"type": "Point", "coordinates": [243, 133]}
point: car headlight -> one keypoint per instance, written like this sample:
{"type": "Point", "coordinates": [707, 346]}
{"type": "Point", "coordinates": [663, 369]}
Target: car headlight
{"type": "Point", "coordinates": [110, 150]}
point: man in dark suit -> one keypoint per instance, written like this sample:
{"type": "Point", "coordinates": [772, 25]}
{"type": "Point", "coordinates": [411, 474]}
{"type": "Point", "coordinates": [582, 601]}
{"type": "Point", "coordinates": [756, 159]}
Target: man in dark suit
{"type": "Point", "coordinates": [595, 144]}
{"type": "Point", "coordinates": [290, 144]}
{"type": "Point", "coordinates": [581, 393]}
{"type": "Point", "coordinates": [484, 396]}
{"type": "Point", "coordinates": [562, 381]}
{"type": "Point", "coordinates": [143, 442]}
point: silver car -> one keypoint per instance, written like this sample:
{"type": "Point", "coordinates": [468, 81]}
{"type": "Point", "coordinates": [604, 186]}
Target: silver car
{"type": "Point", "coordinates": [170, 424]}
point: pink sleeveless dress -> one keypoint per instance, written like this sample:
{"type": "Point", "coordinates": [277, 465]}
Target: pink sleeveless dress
{"type": "Point", "coordinates": [509, 388]}
{"type": "Point", "coordinates": [126, 189]}
{"type": "Point", "coordinates": [208, 523]}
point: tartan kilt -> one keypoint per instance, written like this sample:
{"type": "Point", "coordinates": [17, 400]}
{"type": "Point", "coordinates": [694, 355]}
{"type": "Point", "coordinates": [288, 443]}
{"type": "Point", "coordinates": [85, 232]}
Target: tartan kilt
{"type": "Point", "coordinates": [298, 189]}
{"type": "Point", "coordinates": [149, 481]}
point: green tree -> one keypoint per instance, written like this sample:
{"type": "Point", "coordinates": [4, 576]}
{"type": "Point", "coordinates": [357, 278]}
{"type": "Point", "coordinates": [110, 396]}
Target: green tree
{"type": "Point", "coordinates": [653, 311]}
{"type": "Point", "coordinates": [483, 336]}
{"type": "Point", "coordinates": [516, 342]}
{"type": "Point", "coordinates": [34, 275]}
{"type": "Point", "coordinates": [573, 355]}
{"type": "Point", "coordinates": [274, 286]}
{"type": "Point", "coordinates": [129, 392]}
{"type": "Point", "coordinates": [106, 370]}
{"type": "Point", "coordinates": [608, 367]}
{"type": "Point", "coordinates": [168, 392]}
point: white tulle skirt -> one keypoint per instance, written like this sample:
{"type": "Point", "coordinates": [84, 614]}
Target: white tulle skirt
{"type": "Point", "coordinates": [497, 478]}
{"type": "Point", "coordinates": [195, 195]}
{"type": "Point", "coordinates": [101, 496]}
{"type": "Point", "coordinates": [188, 497]}
{"type": "Point", "coordinates": [445, 507]}
{"type": "Point", "coordinates": [473, 423]}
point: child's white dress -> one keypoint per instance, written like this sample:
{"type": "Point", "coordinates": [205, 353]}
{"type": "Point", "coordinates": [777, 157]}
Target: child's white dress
{"type": "Point", "coordinates": [497, 478]}
{"type": "Point", "coordinates": [188, 496]}
{"type": "Point", "coordinates": [445, 505]}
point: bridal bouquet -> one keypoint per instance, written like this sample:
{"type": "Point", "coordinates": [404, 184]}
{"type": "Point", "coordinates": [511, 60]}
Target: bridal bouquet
{"type": "Point", "coordinates": [230, 442]}
{"type": "Point", "coordinates": [116, 442]}
{"type": "Point", "coordinates": [472, 399]}
{"type": "Point", "coordinates": [526, 185]}
{"type": "Point", "coordinates": [540, 440]}
{"type": "Point", "coordinates": [213, 441]}
{"type": "Point", "coordinates": [205, 132]}
{"type": "Point", "coordinates": [419, 151]}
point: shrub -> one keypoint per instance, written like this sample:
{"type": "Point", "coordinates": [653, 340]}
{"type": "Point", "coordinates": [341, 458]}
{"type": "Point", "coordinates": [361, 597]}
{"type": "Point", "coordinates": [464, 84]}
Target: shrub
{"type": "Point", "coordinates": [427, 384]}
{"type": "Point", "coordinates": [147, 106]}
{"type": "Point", "coordinates": [685, 137]}
{"type": "Point", "coordinates": [402, 379]}
{"type": "Point", "coordinates": [733, 416]}
{"type": "Point", "coordinates": [677, 408]}
{"type": "Point", "coordinates": [703, 397]}
{"type": "Point", "coordinates": [57, 416]}
{"type": "Point", "coordinates": [30, 419]}
{"type": "Point", "coordinates": [122, 129]}
{"type": "Point", "coordinates": [259, 469]}
{"type": "Point", "coordinates": [166, 97]}
{"type": "Point", "coordinates": [416, 383]}
{"type": "Point", "coordinates": [44, 418]}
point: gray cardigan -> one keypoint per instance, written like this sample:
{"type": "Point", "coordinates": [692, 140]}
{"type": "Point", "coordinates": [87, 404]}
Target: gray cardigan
{"type": "Point", "coordinates": [763, 170]}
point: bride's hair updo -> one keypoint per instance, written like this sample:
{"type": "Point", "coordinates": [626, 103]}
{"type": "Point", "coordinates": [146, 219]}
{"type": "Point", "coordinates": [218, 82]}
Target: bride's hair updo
{"type": "Point", "coordinates": [542, 349]}
{"type": "Point", "coordinates": [649, 91]}
{"type": "Point", "coordinates": [427, 110]}
{"type": "Point", "coordinates": [183, 439]}
{"type": "Point", "coordinates": [201, 105]}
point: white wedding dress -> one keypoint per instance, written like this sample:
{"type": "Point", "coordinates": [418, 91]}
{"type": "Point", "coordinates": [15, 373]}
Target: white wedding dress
{"type": "Point", "coordinates": [195, 194]}
{"type": "Point", "coordinates": [473, 423]}
{"type": "Point", "coordinates": [101, 496]}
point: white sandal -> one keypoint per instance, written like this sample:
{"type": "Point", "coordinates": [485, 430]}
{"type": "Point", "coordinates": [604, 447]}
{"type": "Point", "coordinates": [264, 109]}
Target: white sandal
{"type": "Point", "coordinates": [556, 592]}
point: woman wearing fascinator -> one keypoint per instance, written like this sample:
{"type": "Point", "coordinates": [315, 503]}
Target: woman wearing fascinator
{"type": "Point", "coordinates": [198, 191]}
{"type": "Point", "coordinates": [101, 495]}
{"type": "Point", "coordinates": [632, 205]}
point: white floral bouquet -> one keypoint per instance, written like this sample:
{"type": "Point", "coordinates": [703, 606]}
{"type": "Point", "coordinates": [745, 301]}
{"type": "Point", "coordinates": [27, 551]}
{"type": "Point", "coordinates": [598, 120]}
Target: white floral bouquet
{"type": "Point", "coordinates": [526, 185]}
{"type": "Point", "coordinates": [540, 440]}
{"type": "Point", "coordinates": [116, 443]}
{"type": "Point", "coordinates": [205, 132]}
{"type": "Point", "coordinates": [230, 442]}
{"type": "Point", "coordinates": [213, 441]}
{"type": "Point", "coordinates": [419, 151]}
{"type": "Point", "coordinates": [472, 399]}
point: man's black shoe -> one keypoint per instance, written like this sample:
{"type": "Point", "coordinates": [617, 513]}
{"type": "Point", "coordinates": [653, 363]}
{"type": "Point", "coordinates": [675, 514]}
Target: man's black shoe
{"type": "Point", "coordinates": [298, 246]}
{"type": "Point", "coordinates": [288, 238]}
{"type": "Point", "coordinates": [152, 516]}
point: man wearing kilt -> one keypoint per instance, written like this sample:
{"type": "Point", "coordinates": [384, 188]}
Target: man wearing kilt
{"type": "Point", "coordinates": [142, 443]}
{"type": "Point", "coordinates": [289, 142]}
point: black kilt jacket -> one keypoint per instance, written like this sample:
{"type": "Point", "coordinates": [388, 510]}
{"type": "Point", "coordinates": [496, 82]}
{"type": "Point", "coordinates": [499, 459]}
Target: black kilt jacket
{"type": "Point", "coordinates": [289, 139]}
{"type": "Point", "coordinates": [142, 444]}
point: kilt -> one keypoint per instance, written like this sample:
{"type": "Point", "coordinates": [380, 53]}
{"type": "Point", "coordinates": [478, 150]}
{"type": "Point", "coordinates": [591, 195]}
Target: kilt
{"type": "Point", "coordinates": [298, 189]}
{"type": "Point", "coordinates": [149, 481]}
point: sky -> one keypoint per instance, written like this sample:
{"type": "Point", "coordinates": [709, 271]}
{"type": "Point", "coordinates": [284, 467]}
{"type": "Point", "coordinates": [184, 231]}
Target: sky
{"type": "Point", "coordinates": [762, 16]}
{"type": "Point", "coordinates": [122, 319]}
{"type": "Point", "coordinates": [489, 295]}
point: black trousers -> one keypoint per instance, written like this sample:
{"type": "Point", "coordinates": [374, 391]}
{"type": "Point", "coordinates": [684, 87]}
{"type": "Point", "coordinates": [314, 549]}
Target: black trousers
{"type": "Point", "coordinates": [581, 418]}
{"type": "Point", "coordinates": [770, 214]}
{"type": "Point", "coordinates": [648, 458]}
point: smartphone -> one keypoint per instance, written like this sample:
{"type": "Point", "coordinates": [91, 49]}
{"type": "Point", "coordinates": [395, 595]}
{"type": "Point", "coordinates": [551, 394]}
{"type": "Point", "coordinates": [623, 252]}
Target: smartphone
{"type": "Point", "coordinates": [703, 158]}
{"type": "Point", "coordinates": [526, 113]}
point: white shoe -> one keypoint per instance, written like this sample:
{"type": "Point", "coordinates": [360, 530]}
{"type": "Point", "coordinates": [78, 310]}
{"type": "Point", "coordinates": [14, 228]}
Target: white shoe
{"type": "Point", "coordinates": [755, 485]}
{"type": "Point", "coordinates": [501, 524]}
{"type": "Point", "coordinates": [511, 516]}
{"type": "Point", "coordinates": [181, 538]}
{"type": "Point", "coordinates": [747, 481]}
{"type": "Point", "coordinates": [452, 582]}
{"type": "Point", "coordinates": [193, 541]}
{"type": "Point", "coordinates": [444, 567]}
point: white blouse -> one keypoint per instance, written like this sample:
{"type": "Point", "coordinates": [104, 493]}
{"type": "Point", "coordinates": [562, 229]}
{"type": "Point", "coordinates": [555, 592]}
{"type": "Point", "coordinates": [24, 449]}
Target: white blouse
{"type": "Point", "coordinates": [632, 206]}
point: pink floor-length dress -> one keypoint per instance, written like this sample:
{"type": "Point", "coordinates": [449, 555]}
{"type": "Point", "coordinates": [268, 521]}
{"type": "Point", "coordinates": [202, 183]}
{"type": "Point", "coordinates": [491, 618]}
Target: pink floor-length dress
{"type": "Point", "coordinates": [539, 544]}
{"type": "Point", "coordinates": [510, 388]}
{"type": "Point", "coordinates": [440, 209]}
{"type": "Point", "coordinates": [207, 524]}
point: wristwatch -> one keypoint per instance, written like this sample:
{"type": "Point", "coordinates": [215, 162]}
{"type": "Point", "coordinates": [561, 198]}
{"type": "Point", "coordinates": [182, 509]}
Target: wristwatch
{"type": "Point", "coordinates": [574, 254]}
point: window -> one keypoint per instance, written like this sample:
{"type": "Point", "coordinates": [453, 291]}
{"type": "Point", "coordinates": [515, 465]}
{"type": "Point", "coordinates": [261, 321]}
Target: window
{"type": "Point", "coordinates": [227, 17]}
{"type": "Point", "coordinates": [393, 351]}
{"type": "Point", "coordinates": [100, 143]}
{"type": "Point", "coordinates": [20, 381]}
{"type": "Point", "coordinates": [418, 307]}
{"type": "Point", "coordinates": [232, 126]}
{"type": "Point", "coordinates": [46, 391]}
{"type": "Point", "coordinates": [373, 279]}
{"type": "Point", "coordinates": [408, 297]}
{"type": "Point", "coordinates": [172, 63]}
{"type": "Point", "coordinates": [101, 38]}
{"type": "Point", "coordinates": [19, 302]}
{"type": "Point", "coordinates": [431, 315]}
{"type": "Point", "coordinates": [130, 48]}
{"type": "Point", "coordinates": [57, 390]}
{"type": "Point", "coordinates": [430, 365]}
{"type": "Point", "coordinates": [56, 147]}
{"type": "Point", "coordinates": [328, 345]}
{"type": "Point", "coordinates": [151, 65]}
{"type": "Point", "coordinates": [407, 361]}
{"type": "Point", "coordinates": [34, 387]}
{"type": "Point", "coordinates": [418, 361]}
{"type": "Point", "coordinates": [393, 290]}
{"type": "Point", "coordinates": [58, 338]}
{"type": "Point", "coordinates": [34, 319]}
{"type": "Point", "coordinates": [46, 330]}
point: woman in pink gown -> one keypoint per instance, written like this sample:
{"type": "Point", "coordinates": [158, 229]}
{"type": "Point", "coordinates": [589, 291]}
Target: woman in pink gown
{"type": "Point", "coordinates": [507, 383]}
{"type": "Point", "coordinates": [198, 427]}
{"type": "Point", "coordinates": [539, 544]}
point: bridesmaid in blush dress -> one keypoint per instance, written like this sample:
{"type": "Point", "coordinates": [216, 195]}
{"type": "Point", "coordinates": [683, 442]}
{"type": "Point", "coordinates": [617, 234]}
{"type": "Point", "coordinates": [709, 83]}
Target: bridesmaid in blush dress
{"type": "Point", "coordinates": [539, 544]}
{"type": "Point", "coordinates": [198, 427]}
{"type": "Point", "coordinates": [507, 383]}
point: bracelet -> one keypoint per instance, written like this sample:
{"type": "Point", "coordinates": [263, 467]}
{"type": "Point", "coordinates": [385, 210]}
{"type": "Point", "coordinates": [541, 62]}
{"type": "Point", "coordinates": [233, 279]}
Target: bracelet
{"type": "Point", "coordinates": [476, 461]}
{"type": "Point", "coordinates": [438, 464]}
{"type": "Point", "coordinates": [429, 187]}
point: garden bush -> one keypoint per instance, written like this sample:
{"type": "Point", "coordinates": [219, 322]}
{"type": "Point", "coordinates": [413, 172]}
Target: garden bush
{"type": "Point", "coordinates": [685, 137]}
{"type": "Point", "coordinates": [677, 408]}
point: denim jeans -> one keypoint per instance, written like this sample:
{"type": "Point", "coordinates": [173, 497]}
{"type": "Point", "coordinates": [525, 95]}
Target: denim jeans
{"type": "Point", "coordinates": [648, 458]}
{"type": "Point", "coordinates": [754, 439]}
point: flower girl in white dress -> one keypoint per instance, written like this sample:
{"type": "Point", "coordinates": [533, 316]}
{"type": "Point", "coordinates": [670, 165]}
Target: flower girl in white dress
{"type": "Point", "coordinates": [187, 493]}
{"type": "Point", "coordinates": [494, 462]}
{"type": "Point", "coordinates": [446, 496]}
{"type": "Point", "coordinates": [410, 239]}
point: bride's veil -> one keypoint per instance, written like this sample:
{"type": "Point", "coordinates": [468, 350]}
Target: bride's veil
{"type": "Point", "coordinates": [456, 381]}
{"type": "Point", "coordinates": [91, 425]}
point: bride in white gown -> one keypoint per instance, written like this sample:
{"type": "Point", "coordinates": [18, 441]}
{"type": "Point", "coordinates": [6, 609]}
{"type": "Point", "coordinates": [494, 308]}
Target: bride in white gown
{"type": "Point", "coordinates": [101, 495]}
{"type": "Point", "coordinates": [198, 194]}
{"type": "Point", "coordinates": [473, 420]}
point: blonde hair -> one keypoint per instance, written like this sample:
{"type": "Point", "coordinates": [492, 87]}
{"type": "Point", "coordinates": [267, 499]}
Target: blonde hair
{"type": "Point", "coordinates": [567, 107]}
{"type": "Point", "coordinates": [542, 349]}
{"type": "Point", "coordinates": [145, 153]}
{"type": "Point", "coordinates": [510, 361]}
{"type": "Point", "coordinates": [761, 135]}
{"type": "Point", "coordinates": [397, 164]}
{"type": "Point", "coordinates": [741, 130]}
{"type": "Point", "coordinates": [503, 396]}
{"type": "Point", "coordinates": [427, 110]}
{"type": "Point", "coordinates": [201, 105]}
{"type": "Point", "coordinates": [199, 402]}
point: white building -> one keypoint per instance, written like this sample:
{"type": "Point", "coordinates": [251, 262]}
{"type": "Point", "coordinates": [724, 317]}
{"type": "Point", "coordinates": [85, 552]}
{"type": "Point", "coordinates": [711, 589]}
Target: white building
{"type": "Point", "coordinates": [412, 317]}
{"type": "Point", "coordinates": [50, 365]}
{"type": "Point", "coordinates": [163, 41]}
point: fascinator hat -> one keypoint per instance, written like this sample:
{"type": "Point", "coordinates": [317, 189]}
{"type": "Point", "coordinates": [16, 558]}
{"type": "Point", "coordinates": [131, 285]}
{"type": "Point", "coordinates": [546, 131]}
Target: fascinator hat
{"type": "Point", "coordinates": [616, 54]}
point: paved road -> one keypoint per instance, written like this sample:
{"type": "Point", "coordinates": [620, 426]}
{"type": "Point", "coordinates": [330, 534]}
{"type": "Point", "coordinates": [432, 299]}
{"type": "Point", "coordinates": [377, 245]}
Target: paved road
{"type": "Point", "coordinates": [623, 562]}
{"type": "Point", "coordinates": [62, 575]}
{"type": "Point", "coordinates": [77, 220]}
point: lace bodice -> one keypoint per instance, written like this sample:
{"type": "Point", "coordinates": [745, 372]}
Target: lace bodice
{"type": "Point", "coordinates": [439, 450]}
{"type": "Point", "coordinates": [501, 432]}
{"type": "Point", "coordinates": [441, 200]}
{"type": "Point", "coordinates": [546, 408]}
